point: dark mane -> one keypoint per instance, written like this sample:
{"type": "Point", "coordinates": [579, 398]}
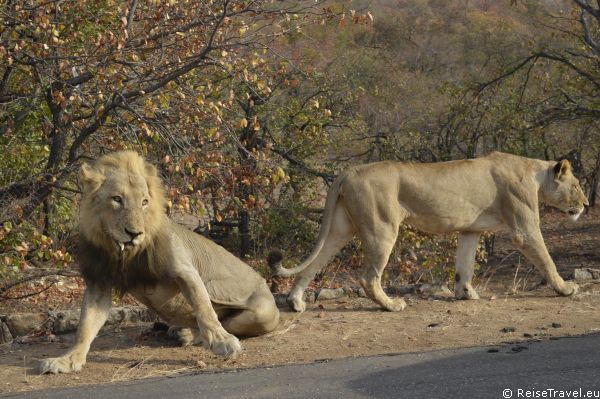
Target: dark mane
{"type": "Point", "coordinates": [108, 270]}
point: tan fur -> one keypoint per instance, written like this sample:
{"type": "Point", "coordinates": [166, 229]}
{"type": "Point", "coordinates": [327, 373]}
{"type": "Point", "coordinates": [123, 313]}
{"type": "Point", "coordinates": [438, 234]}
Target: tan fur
{"type": "Point", "coordinates": [128, 244]}
{"type": "Point", "coordinates": [499, 191]}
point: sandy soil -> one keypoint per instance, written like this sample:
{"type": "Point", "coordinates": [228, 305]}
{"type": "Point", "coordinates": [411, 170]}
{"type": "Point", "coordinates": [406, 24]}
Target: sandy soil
{"type": "Point", "coordinates": [510, 311]}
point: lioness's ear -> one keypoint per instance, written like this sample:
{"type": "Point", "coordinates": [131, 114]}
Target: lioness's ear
{"type": "Point", "coordinates": [563, 166]}
{"type": "Point", "coordinates": [89, 177]}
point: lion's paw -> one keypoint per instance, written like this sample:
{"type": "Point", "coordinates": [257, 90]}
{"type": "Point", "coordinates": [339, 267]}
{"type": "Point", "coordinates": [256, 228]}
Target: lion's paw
{"type": "Point", "coordinates": [225, 344]}
{"type": "Point", "coordinates": [186, 337]}
{"type": "Point", "coordinates": [395, 305]}
{"type": "Point", "coordinates": [65, 364]}
{"type": "Point", "coordinates": [569, 288]}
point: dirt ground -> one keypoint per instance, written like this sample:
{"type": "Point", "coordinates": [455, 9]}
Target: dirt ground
{"type": "Point", "coordinates": [514, 309]}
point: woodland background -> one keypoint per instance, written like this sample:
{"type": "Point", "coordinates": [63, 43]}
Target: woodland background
{"type": "Point", "coordinates": [250, 108]}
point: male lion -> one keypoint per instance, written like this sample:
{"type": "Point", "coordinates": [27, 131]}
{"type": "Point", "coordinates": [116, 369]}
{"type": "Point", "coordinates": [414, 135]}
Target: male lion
{"type": "Point", "coordinates": [127, 243]}
{"type": "Point", "coordinates": [499, 191]}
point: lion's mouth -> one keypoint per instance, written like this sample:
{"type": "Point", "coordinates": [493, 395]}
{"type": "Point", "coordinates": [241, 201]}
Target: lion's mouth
{"type": "Point", "coordinates": [124, 246]}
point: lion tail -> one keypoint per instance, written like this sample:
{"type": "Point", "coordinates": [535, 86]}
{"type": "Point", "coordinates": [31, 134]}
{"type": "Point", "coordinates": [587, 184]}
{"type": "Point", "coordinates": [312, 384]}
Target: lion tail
{"type": "Point", "coordinates": [275, 257]}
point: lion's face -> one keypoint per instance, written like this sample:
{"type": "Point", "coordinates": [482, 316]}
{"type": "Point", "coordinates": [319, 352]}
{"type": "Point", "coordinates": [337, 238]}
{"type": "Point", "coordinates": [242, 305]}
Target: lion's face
{"type": "Point", "coordinates": [126, 199]}
{"type": "Point", "coordinates": [564, 192]}
{"type": "Point", "coordinates": [122, 202]}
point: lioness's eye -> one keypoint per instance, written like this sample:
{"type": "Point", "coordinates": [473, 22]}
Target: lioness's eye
{"type": "Point", "coordinates": [117, 199]}
{"type": "Point", "coordinates": [145, 202]}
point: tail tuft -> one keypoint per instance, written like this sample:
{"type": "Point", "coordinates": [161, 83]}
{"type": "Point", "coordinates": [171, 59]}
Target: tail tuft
{"type": "Point", "coordinates": [274, 261]}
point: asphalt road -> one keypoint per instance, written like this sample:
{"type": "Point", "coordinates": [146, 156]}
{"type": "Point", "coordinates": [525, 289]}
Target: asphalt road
{"type": "Point", "coordinates": [534, 368]}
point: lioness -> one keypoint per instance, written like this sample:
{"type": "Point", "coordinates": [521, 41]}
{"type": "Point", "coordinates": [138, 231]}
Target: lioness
{"type": "Point", "coordinates": [127, 243]}
{"type": "Point", "coordinates": [499, 191]}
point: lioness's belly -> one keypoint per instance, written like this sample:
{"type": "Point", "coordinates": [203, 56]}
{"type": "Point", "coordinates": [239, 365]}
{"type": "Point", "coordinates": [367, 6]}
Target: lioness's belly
{"type": "Point", "coordinates": [448, 223]}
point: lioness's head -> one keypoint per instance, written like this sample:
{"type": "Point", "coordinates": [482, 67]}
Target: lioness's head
{"type": "Point", "coordinates": [564, 191]}
{"type": "Point", "coordinates": [123, 202]}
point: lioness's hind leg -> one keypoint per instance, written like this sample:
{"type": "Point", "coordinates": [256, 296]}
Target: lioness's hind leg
{"type": "Point", "coordinates": [341, 232]}
{"type": "Point", "coordinates": [377, 251]}
{"type": "Point", "coordinates": [465, 262]}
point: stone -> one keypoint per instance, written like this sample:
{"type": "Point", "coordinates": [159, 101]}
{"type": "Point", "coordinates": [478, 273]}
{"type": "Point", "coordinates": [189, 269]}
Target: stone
{"type": "Point", "coordinates": [586, 273]}
{"type": "Point", "coordinates": [330, 293]}
{"type": "Point", "coordinates": [310, 296]}
{"type": "Point", "coordinates": [24, 323]}
{"type": "Point", "coordinates": [404, 289]}
{"type": "Point", "coordinates": [435, 290]}
{"type": "Point", "coordinates": [65, 321]}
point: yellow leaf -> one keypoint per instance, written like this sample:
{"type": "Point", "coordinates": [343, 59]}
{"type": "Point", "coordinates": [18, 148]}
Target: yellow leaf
{"type": "Point", "coordinates": [242, 123]}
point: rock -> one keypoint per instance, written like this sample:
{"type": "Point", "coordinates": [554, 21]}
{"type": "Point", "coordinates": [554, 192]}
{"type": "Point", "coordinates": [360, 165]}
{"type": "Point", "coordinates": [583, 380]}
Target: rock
{"type": "Point", "coordinates": [310, 296]}
{"type": "Point", "coordinates": [23, 323]}
{"type": "Point", "coordinates": [556, 325]}
{"type": "Point", "coordinates": [354, 290]}
{"type": "Point", "coordinates": [65, 321]}
{"type": "Point", "coordinates": [434, 290]}
{"type": "Point", "coordinates": [200, 364]}
{"type": "Point", "coordinates": [519, 348]}
{"type": "Point", "coordinates": [404, 289]}
{"type": "Point", "coordinates": [5, 335]}
{"type": "Point", "coordinates": [586, 273]}
{"type": "Point", "coordinates": [330, 293]}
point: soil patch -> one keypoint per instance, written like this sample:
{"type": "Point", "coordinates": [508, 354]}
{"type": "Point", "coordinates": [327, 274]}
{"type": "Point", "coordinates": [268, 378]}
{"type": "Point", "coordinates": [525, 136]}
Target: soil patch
{"type": "Point", "coordinates": [515, 308]}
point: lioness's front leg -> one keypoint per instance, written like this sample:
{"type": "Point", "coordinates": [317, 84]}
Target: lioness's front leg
{"type": "Point", "coordinates": [211, 332]}
{"type": "Point", "coordinates": [533, 247]}
{"type": "Point", "coordinates": [94, 311]}
{"type": "Point", "coordinates": [465, 262]}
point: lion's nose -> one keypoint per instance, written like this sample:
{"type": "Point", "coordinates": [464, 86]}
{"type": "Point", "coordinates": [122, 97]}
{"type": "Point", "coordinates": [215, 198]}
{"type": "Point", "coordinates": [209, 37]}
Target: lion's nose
{"type": "Point", "coordinates": [133, 234]}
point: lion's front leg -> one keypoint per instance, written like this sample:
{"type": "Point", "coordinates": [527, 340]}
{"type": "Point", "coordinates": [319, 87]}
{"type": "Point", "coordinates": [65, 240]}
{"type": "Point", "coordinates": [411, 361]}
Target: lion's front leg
{"type": "Point", "coordinates": [533, 247]}
{"type": "Point", "coordinates": [94, 311]}
{"type": "Point", "coordinates": [210, 331]}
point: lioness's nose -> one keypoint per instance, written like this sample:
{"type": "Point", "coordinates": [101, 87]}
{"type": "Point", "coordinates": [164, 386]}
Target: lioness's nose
{"type": "Point", "coordinates": [133, 234]}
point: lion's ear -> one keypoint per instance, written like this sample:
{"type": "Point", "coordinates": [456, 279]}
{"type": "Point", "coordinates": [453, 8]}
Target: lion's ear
{"type": "Point", "coordinates": [150, 170]}
{"type": "Point", "coordinates": [89, 177]}
{"type": "Point", "coordinates": [561, 168]}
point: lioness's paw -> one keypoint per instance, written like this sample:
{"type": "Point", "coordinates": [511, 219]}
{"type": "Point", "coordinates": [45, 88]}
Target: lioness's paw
{"type": "Point", "coordinates": [569, 288]}
{"type": "Point", "coordinates": [395, 305]}
{"type": "Point", "coordinates": [64, 364]}
{"type": "Point", "coordinates": [465, 292]}
{"type": "Point", "coordinates": [226, 345]}
{"type": "Point", "coordinates": [297, 305]}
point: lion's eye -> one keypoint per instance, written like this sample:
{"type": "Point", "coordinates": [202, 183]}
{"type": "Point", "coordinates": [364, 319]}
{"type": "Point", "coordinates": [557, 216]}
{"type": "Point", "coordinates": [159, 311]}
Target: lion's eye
{"type": "Point", "coordinates": [117, 199]}
{"type": "Point", "coordinates": [145, 202]}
